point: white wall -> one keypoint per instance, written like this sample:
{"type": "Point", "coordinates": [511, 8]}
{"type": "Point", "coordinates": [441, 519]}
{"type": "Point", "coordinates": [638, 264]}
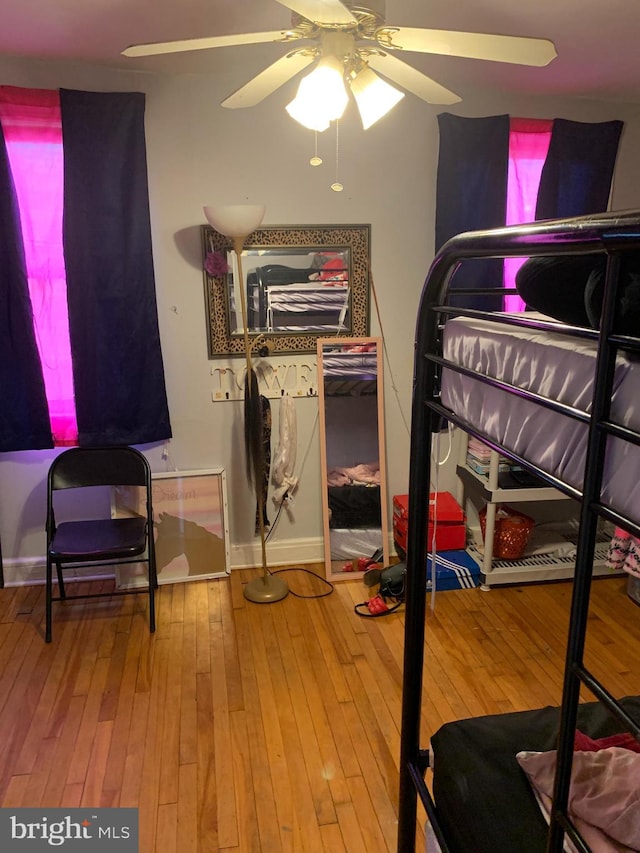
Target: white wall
{"type": "Point", "coordinates": [199, 153]}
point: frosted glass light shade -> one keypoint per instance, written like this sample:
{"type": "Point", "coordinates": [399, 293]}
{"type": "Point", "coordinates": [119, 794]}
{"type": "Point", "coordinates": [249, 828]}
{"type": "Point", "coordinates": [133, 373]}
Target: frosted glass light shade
{"type": "Point", "coordinates": [321, 96]}
{"type": "Point", "coordinates": [304, 111]}
{"type": "Point", "coordinates": [234, 220]}
{"type": "Point", "coordinates": [373, 96]}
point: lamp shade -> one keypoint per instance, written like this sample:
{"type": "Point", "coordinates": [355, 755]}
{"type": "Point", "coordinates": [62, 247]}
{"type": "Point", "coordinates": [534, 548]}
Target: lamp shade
{"type": "Point", "coordinates": [373, 96]}
{"type": "Point", "coordinates": [321, 96]}
{"type": "Point", "coordinates": [234, 220]}
{"type": "Point", "coordinates": [304, 111]}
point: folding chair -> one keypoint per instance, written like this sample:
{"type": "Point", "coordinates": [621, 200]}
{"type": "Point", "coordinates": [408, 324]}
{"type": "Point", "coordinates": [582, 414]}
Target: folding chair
{"type": "Point", "coordinates": [99, 541]}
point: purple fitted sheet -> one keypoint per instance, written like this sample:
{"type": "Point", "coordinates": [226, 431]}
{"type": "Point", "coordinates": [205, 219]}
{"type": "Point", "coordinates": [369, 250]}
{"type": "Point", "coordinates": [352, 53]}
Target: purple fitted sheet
{"type": "Point", "coordinates": [556, 366]}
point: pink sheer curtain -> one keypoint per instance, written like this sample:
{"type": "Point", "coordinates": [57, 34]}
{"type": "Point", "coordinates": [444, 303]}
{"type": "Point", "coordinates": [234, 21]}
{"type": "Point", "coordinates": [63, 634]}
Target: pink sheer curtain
{"type": "Point", "coordinates": [33, 132]}
{"type": "Point", "coordinates": [528, 146]}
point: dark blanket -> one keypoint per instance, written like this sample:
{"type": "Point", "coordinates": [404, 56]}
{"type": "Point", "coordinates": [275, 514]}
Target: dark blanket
{"type": "Point", "coordinates": [571, 289]}
{"type": "Point", "coordinates": [484, 801]}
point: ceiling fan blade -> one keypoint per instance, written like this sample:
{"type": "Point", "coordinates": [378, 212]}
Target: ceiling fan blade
{"type": "Point", "coordinates": [205, 43]}
{"type": "Point", "coordinates": [269, 80]}
{"type": "Point", "coordinates": [412, 79]}
{"type": "Point", "coordinates": [320, 11]}
{"type": "Point", "coordinates": [518, 50]}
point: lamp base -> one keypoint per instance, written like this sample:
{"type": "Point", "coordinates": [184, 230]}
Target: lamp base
{"type": "Point", "coordinates": [266, 589]}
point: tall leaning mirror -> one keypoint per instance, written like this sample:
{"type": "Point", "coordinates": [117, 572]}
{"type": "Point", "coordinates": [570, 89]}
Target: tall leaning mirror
{"type": "Point", "coordinates": [354, 493]}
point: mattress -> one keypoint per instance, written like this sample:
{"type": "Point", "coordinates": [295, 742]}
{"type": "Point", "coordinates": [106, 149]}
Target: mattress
{"type": "Point", "coordinates": [476, 775]}
{"type": "Point", "coordinates": [558, 367]}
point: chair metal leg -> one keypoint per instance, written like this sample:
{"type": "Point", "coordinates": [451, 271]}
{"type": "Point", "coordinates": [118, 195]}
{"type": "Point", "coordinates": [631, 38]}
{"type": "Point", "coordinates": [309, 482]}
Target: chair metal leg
{"type": "Point", "coordinates": [152, 610]}
{"type": "Point", "coordinates": [63, 594]}
{"type": "Point", "coordinates": [153, 585]}
{"type": "Point", "coordinates": [48, 594]}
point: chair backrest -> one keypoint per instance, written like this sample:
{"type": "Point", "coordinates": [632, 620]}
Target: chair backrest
{"type": "Point", "coordinates": [99, 466]}
{"type": "Point", "coordinates": [80, 467]}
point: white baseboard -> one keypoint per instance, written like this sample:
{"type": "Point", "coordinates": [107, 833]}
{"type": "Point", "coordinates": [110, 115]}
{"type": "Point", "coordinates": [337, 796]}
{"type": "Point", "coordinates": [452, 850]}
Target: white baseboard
{"type": "Point", "coordinates": [288, 552]}
{"type": "Point", "coordinates": [30, 571]}
{"type": "Point", "coordinates": [247, 555]}
{"type": "Point", "coordinates": [26, 571]}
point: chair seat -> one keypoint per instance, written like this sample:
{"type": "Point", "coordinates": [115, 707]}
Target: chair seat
{"type": "Point", "coordinates": [109, 538]}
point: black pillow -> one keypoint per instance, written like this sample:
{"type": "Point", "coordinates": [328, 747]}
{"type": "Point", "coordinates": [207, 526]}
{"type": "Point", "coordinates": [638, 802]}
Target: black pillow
{"type": "Point", "coordinates": [556, 286]}
{"type": "Point", "coordinates": [627, 318]}
{"type": "Point", "coordinates": [571, 288]}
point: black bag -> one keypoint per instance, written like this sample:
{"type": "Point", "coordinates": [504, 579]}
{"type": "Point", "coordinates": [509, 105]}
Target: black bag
{"type": "Point", "coordinates": [391, 585]}
{"type": "Point", "coordinates": [392, 582]}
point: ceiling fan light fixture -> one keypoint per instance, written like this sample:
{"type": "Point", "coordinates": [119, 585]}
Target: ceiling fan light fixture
{"type": "Point", "coordinates": [322, 96]}
{"type": "Point", "coordinates": [373, 96]}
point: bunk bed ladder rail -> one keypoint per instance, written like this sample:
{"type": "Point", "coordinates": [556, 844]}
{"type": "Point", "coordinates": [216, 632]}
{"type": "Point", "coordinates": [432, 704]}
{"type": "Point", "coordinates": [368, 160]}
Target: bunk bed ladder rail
{"type": "Point", "coordinates": [413, 761]}
{"type": "Point", "coordinates": [591, 507]}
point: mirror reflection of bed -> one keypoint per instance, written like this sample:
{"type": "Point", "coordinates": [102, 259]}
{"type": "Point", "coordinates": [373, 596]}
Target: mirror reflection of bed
{"type": "Point", "coordinates": [350, 396]}
{"type": "Point", "coordinates": [305, 290]}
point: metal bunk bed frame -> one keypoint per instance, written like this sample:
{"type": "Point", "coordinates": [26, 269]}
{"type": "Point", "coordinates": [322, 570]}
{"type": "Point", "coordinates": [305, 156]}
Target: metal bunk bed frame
{"type": "Point", "coordinates": [613, 234]}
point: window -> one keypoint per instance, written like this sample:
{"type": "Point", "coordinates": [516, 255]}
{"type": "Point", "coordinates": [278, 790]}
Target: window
{"type": "Point", "coordinates": [79, 325]}
{"type": "Point", "coordinates": [32, 129]}
{"type": "Point", "coordinates": [574, 178]}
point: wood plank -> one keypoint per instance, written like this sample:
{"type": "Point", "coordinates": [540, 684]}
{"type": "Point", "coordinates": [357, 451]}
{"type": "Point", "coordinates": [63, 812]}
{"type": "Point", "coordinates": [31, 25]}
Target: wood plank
{"type": "Point", "coordinates": [256, 742]}
{"type": "Point", "coordinates": [170, 742]}
{"type": "Point", "coordinates": [92, 793]}
{"type": "Point", "coordinates": [215, 733]}
{"type": "Point", "coordinates": [206, 775]}
{"type": "Point", "coordinates": [167, 828]}
{"type": "Point", "coordinates": [134, 760]}
{"type": "Point", "coordinates": [243, 770]}
{"type": "Point", "coordinates": [188, 808]}
{"type": "Point", "coordinates": [154, 736]}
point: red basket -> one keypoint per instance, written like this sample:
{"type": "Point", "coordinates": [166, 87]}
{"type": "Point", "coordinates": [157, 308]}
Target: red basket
{"type": "Point", "coordinates": [511, 533]}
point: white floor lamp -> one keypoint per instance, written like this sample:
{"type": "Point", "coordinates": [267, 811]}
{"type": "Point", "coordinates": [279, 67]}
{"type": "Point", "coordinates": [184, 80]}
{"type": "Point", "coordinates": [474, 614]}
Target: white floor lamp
{"type": "Point", "coordinates": [237, 221]}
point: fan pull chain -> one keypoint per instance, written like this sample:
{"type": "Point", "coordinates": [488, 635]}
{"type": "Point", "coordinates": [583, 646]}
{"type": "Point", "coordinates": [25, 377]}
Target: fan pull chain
{"type": "Point", "coordinates": [336, 186]}
{"type": "Point", "coordinates": [315, 160]}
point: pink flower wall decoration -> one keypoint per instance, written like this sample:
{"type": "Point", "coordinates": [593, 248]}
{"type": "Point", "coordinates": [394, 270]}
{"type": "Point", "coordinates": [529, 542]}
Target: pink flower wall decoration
{"type": "Point", "coordinates": [216, 264]}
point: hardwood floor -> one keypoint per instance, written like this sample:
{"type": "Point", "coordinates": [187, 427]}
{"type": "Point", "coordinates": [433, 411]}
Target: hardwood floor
{"type": "Point", "coordinates": [246, 727]}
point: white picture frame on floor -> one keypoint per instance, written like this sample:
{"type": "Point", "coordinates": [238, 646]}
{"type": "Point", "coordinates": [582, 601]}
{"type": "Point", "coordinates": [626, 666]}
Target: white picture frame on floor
{"type": "Point", "coordinates": [191, 529]}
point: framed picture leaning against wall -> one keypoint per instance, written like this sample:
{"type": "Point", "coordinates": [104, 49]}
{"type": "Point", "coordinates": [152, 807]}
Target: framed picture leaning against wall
{"type": "Point", "coordinates": [191, 530]}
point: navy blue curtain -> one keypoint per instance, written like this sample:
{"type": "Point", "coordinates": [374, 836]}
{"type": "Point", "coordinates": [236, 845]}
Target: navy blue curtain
{"type": "Point", "coordinates": [471, 194]}
{"type": "Point", "coordinates": [577, 174]}
{"type": "Point", "coordinates": [113, 324]}
{"type": "Point", "coordinates": [24, 416]}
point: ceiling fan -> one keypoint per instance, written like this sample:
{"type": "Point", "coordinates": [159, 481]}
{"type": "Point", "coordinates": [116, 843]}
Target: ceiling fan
{"type": "Point", "coordinates": [356, 40]}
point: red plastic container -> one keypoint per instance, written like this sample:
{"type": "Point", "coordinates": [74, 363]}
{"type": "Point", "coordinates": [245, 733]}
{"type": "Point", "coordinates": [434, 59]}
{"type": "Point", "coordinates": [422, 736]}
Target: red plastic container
{"type": "Point", "coordinates": [450, 528]}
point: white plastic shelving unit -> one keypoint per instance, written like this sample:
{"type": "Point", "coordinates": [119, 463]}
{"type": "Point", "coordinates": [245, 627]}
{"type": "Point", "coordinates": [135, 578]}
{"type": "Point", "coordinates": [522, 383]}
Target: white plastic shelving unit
{"type": "Point", "coordinates": [538, 567]}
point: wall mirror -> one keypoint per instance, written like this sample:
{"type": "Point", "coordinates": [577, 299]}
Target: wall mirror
{"type": "Point", "coordinates": [354, 500]}
{"type": "Point", "coordinates": [301, 282]}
